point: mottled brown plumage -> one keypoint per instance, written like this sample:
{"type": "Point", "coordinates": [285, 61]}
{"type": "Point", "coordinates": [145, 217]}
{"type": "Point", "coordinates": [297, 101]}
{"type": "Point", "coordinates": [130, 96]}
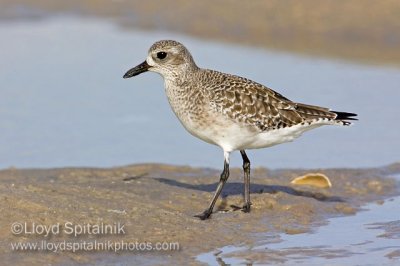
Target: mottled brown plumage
{"type": "Point", "coordinates": [252, 103]}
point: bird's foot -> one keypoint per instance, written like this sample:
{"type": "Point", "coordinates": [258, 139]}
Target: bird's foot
{"type": "Point", "coordinates": [244, 208]}
{"type": "Point", "coordinates": [204, 215]}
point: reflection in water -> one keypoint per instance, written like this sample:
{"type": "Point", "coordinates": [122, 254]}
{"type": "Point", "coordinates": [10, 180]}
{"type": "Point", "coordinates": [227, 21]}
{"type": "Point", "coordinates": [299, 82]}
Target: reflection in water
{"type": "Point", "coordinates": [353, 240]}
{"type": "Point", "coordinates": [64, 102]}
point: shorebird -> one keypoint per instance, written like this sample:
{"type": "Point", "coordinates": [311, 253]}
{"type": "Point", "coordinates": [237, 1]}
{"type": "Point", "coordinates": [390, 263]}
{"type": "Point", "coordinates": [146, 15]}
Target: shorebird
{"type": "Point", "coordinates": [229, 111]}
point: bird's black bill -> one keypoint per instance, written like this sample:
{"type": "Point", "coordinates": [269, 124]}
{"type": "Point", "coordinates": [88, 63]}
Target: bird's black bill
{"type": "Point", "coordinates": [143, 67]}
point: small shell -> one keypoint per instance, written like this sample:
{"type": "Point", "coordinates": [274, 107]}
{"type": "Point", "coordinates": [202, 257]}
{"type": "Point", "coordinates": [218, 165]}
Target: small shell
{"type": "Point", "coordinates": [313, 179]}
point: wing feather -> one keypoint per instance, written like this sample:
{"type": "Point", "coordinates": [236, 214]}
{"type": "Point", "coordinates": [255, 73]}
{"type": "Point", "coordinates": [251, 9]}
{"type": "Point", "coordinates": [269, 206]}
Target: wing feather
{"type": "Point", "coordinates": [252, 103]}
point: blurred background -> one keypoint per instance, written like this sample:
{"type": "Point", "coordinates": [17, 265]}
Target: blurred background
{"type": "Point", "coordinates": [64, 103]}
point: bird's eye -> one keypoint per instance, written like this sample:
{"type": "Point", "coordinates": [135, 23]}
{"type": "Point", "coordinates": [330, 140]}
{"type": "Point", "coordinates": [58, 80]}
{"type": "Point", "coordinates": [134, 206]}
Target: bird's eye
{"type": "Point", "coordinates": [161, 55]}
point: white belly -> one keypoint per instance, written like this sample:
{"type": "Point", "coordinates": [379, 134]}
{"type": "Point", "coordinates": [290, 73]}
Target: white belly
{"type": "Point", "coordinates": [231, 136]}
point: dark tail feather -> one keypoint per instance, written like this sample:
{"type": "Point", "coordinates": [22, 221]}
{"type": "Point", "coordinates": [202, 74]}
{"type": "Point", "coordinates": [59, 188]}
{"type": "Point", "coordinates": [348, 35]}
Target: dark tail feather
{"type": "Point", "coordinates": [344, 116]}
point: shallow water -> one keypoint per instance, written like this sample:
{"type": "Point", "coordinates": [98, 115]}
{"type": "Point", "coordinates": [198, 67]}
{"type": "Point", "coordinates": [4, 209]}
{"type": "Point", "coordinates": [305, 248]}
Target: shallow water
{"type": "Point", "coordinates": [370, 237]}
{"type": "Point", "coordinates": [64, 102]}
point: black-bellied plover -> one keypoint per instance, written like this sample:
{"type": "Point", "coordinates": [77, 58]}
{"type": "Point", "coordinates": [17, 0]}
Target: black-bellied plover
{"type": "Point", "coordinates": [232, 112]}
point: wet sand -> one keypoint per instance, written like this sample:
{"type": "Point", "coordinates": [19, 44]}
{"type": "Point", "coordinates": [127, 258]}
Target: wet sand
{"type": "Point", "coordinates": [157, 203]}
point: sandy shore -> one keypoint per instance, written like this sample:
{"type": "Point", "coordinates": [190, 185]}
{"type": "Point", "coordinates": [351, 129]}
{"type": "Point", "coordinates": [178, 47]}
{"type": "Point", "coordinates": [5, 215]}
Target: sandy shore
{"type": "Point", "coordinates": [156, 203]}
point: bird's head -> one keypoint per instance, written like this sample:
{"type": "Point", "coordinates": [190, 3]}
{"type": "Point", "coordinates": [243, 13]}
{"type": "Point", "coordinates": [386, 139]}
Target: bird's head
{"type": "Point", "coordinates": [168, 58]}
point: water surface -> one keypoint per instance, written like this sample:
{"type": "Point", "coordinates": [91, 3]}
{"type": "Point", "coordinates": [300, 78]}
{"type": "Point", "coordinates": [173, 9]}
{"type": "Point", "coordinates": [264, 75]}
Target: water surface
{"type": "Point", "coordinates": [64, 102]}
{"type": "Point", "coordinates": [371, 237]}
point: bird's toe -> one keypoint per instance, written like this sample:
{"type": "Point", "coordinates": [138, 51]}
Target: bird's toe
{"type": "Point", "coordinates": [204, 215]}
{"type": "Point", "coordinates": [246, 207]}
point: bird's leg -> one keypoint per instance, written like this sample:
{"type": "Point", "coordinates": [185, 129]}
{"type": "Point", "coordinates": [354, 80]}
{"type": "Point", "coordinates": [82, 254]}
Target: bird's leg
{"type": "Point", "coordinates": [224, 176]}
{"type": "Point", "coordinates": [246, 170]}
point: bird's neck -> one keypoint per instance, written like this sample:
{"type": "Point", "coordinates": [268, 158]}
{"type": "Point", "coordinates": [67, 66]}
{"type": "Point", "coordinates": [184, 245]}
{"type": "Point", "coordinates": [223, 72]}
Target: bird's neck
{"type": "Point", "coordinates": [180, 80]}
